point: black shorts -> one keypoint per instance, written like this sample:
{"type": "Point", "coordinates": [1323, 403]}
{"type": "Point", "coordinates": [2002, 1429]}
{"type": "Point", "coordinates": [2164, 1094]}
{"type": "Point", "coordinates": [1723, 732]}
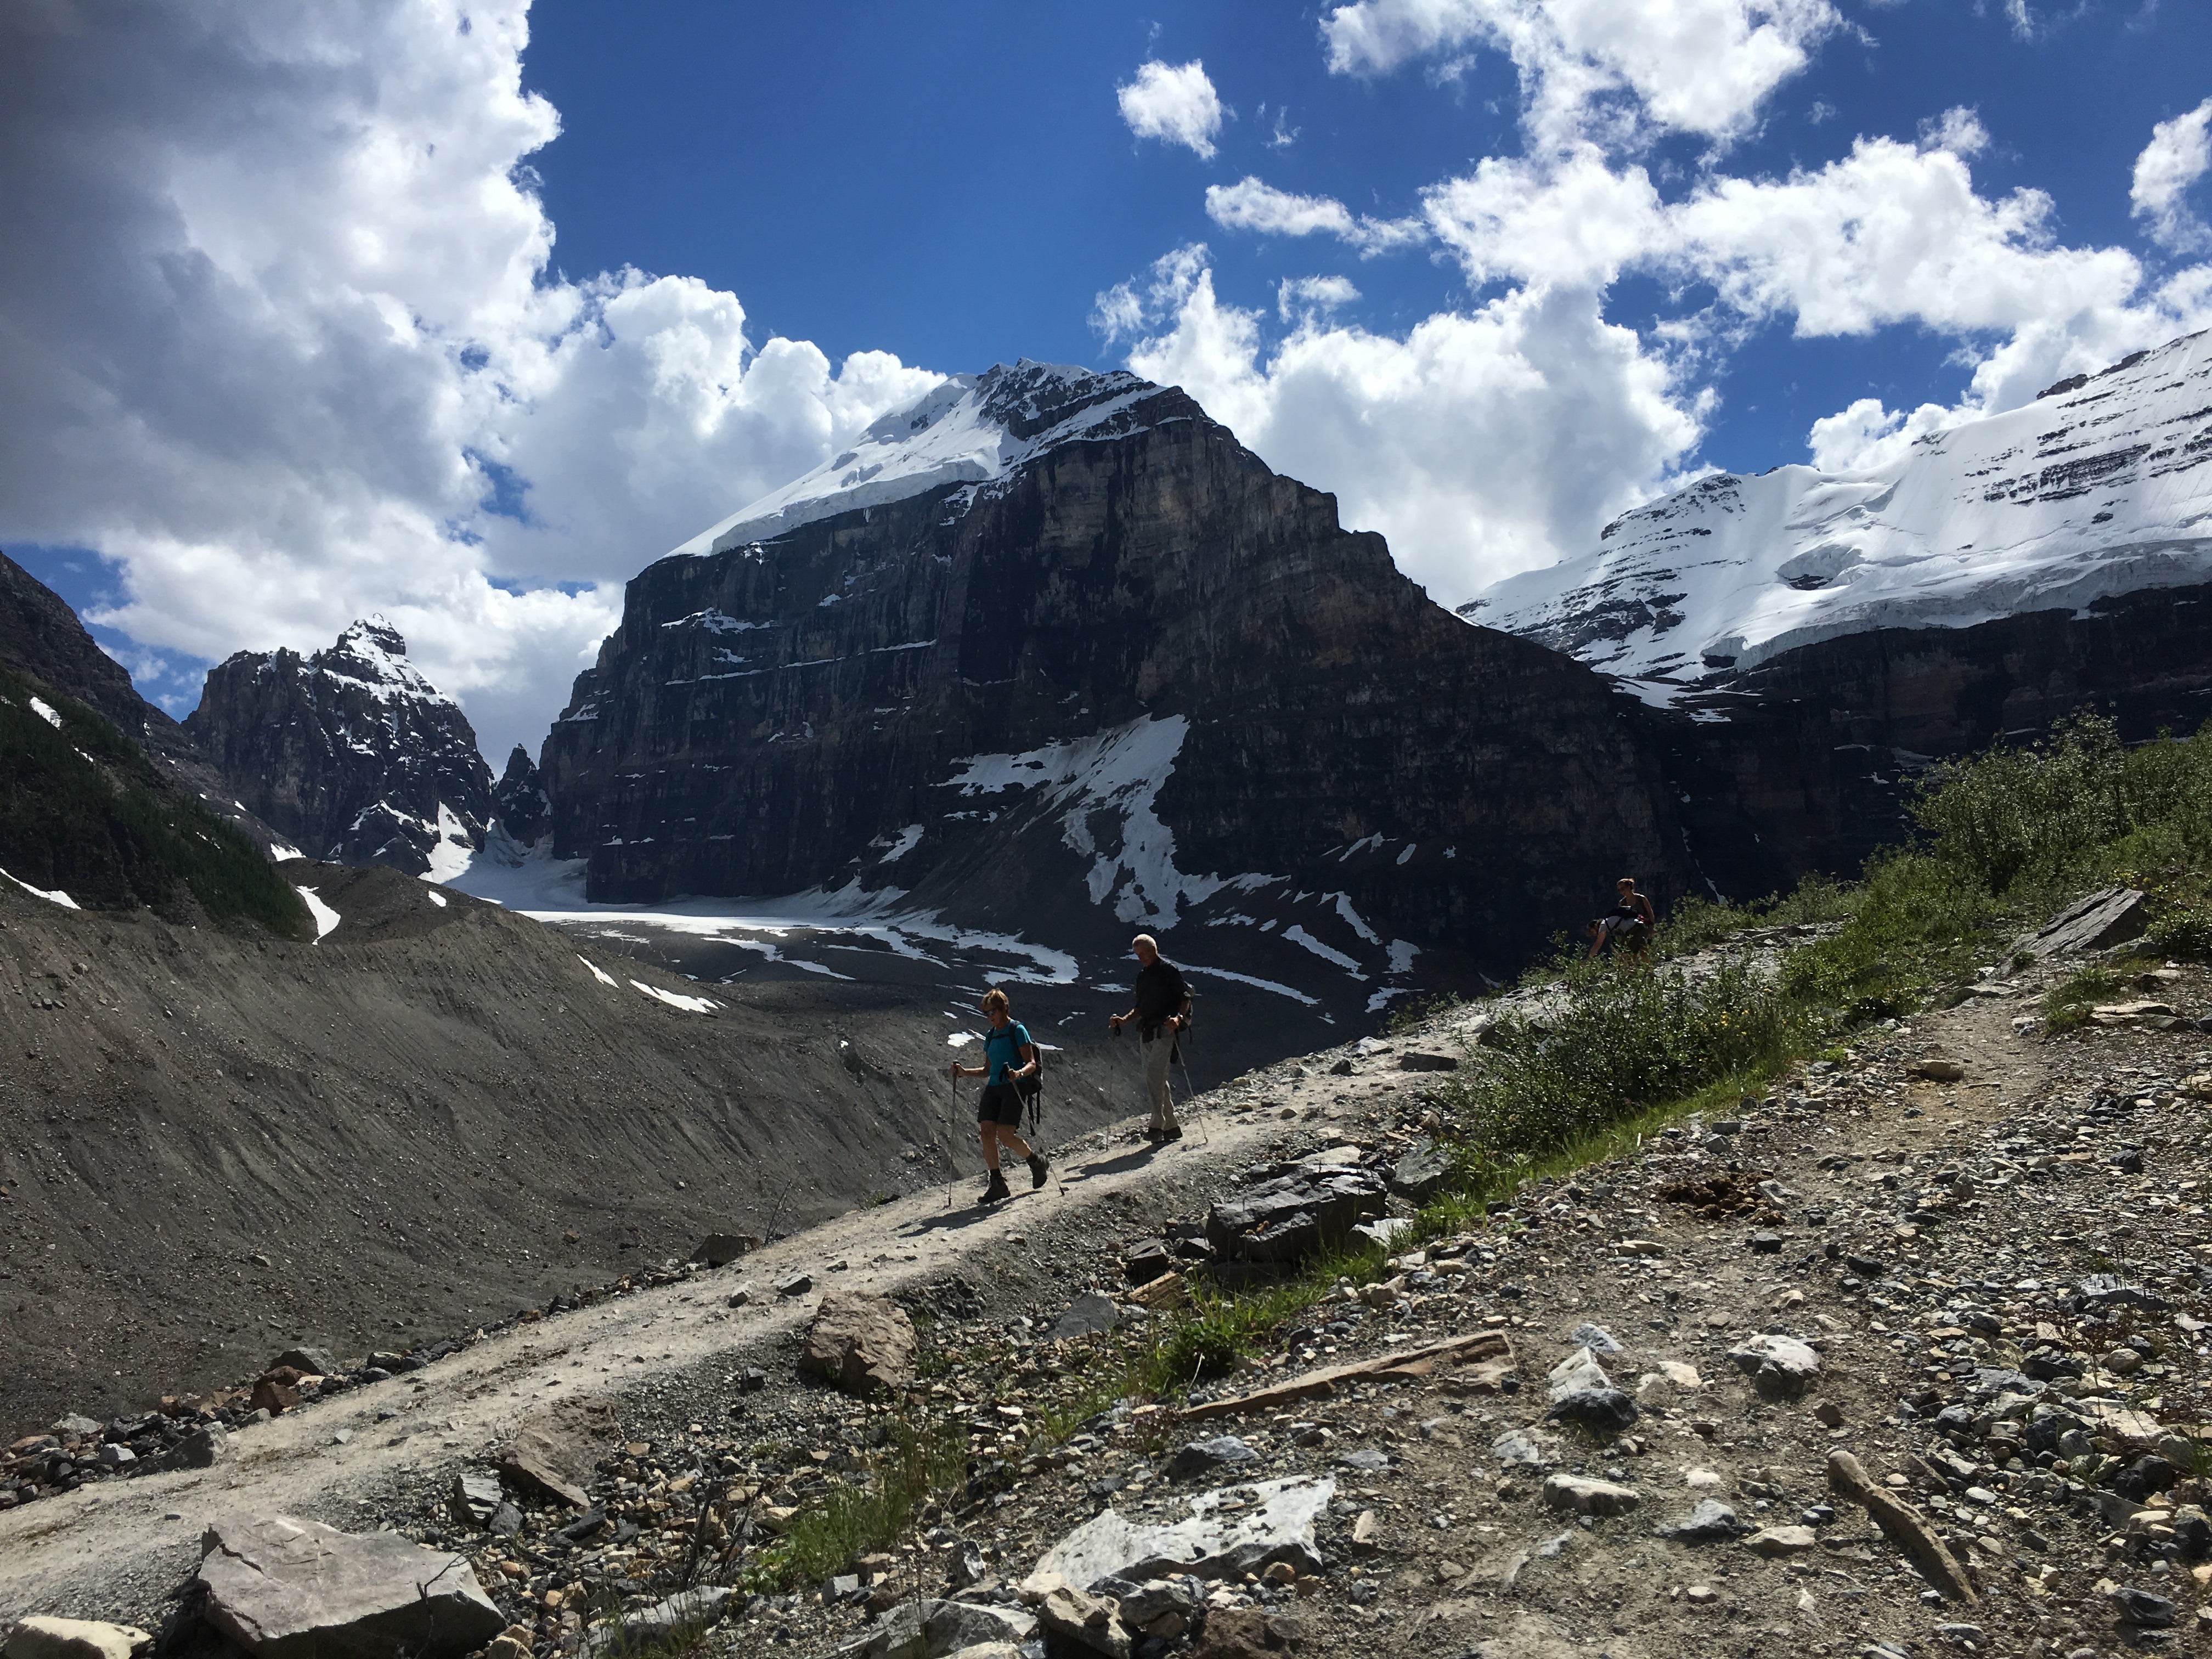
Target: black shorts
{"type": "Point", "coordinates": [1002, 1104]}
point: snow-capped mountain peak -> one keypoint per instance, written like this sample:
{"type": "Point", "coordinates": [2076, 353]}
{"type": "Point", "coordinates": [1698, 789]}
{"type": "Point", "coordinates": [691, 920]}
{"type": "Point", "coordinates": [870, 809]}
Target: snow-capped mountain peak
{"type": "Point", "coordinates": [970, 430]}
{"type": "Point", "coordinates": [2098, 488]}
{"type": "Point", "coordinates": [372, 655]}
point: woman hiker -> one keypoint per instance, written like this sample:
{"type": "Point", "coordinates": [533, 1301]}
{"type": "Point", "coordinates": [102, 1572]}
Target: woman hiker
{"type": "Point", "coordinates": [1629, 924]}
{"type": "Point", "coordinates": [1008, 1052]}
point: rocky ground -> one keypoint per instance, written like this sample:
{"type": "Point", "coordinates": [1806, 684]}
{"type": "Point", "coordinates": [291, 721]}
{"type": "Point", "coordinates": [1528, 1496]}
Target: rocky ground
{"type": "Point", "coordinates": [1963, 1262]}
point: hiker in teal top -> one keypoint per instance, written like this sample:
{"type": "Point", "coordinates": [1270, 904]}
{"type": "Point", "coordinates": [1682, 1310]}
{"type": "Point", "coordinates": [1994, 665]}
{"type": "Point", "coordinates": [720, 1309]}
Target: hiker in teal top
{"type": "Point", "coordinates": [1008, 1054]}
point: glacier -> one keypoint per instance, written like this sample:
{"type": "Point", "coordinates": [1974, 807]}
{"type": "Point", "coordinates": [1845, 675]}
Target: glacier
{"type": "Point", "coordinates": [2097, 489]}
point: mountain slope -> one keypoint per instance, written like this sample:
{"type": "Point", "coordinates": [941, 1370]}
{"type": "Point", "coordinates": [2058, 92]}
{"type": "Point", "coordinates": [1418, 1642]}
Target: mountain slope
{"type": "Point", "coordinates": [41, 639]}
{"type": "Point", "coordinates": [1806, 644]}
{"type": "Point", "coordinates": [1131, 678]}
{"type": "Point", "coordinates": [212, 1145]}
{"type": "Point", "coordinates": [351, 753]}
{"type": "Point", "coordinates": [2097, 490]}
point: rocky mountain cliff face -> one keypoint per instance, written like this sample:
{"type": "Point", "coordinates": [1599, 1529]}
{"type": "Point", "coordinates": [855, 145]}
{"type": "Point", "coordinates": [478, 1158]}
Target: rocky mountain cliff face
{"type": "Point", "coordinates": [41, 639]}
{"type": "Point", "coordinates": [1805, 642]}
{"type": "Point", "coordinates": [1077, 661]}
{"type": "Point", "coordinates": [351, 753]}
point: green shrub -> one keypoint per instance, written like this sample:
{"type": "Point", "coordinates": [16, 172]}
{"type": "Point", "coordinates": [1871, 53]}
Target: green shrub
{"type": "Point", "coordinates": [2067, 811]}
{"type": "Point", "coordinates": [922, 1459]}
{"type": "Point", "coordinates": [1918, 920]}
{"type": "Point", "coordinates": [2066, 1007]}
{"type": "Point", "coordinates": [1629, 1039]}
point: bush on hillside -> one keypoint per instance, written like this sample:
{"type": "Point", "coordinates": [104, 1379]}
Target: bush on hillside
{"type": "Point", "coordinates": [1629, 1038]}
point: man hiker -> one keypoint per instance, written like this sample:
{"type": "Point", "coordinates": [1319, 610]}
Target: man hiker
{"type": "Point", "coordinates": [1629, 924]}
{"type": "Point", "coordinates": [1162, 1010]}
{"type": "Point", "coordinates": [1008, 1054]}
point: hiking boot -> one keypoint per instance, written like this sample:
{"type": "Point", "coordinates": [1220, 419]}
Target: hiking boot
{"type": "Point", "coordinates": [1152, 1133]}
{"type": "Point", "coordinates": [997, 1188]}
{"type": "Point", "coordinates": [1038, 1168]}
{"type": "Point", "coordinates": [1175, 1133]}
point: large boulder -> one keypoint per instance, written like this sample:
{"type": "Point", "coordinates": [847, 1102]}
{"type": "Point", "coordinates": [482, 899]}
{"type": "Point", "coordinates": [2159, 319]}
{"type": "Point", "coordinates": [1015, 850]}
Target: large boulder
{"type": "Point", "coordinates": [861, 1342]}
{"type": "Point", "coordinates": [1422, 1172]}
{"type": "Point", "coordinates": [284, 1589]}
{"type": "Point", "coordinates": [1294, 1215]}
{"type": "Point", "coordinates": [555, 1450]}
{"type": "Point", "coordinates": [2112, 916]}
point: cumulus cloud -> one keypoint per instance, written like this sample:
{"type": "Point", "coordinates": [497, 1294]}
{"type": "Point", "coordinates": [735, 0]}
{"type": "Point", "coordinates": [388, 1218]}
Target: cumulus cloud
{"type": "Point", "coordinates": [281, 344]}
{"type": "Point", "coordinates": [1307, 296]}
{"type": "Point", "coordinates": [1176, 103]}
{"type": "Point", "coordinates": [1695, 66]}
{"type": "Point", "coordinates": [2178, 155]}
{"type": "Point", "coordinates": [1499, 437]}
{"type": "Point", "coordinates": [1866, 434]}
{"type": "Point", "coordinates": [1480, 444]}
{"type": "Point", "coordinates": [1249, 205]}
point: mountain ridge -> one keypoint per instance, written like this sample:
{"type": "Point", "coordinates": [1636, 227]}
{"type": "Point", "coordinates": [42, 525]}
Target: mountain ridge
{"type": "Point", "coordinates": [351, 753]}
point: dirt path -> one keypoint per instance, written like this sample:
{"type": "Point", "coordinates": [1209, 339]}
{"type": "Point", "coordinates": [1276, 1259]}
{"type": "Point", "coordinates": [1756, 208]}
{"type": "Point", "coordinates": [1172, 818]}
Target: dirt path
{"type": "Point", "coordinates": [118, 1546]}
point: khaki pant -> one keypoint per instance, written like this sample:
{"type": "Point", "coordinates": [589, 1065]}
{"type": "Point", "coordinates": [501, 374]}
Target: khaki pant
{"type": "Point", "coordinates": [1158, 1052]}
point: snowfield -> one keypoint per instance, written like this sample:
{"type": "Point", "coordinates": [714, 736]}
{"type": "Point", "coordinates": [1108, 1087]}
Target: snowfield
{"type": "Point", "coordinates": [2098, 488]}
{"type": "Point", "coordinates": [962, 432]}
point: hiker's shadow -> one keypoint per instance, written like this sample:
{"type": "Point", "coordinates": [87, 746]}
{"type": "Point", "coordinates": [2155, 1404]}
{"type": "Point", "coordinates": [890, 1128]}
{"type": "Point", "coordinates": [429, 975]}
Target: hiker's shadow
{"type": "Point", "coordinates": [944, 1221]}
{"type": "Point", "coordinates": [1123, 1164]}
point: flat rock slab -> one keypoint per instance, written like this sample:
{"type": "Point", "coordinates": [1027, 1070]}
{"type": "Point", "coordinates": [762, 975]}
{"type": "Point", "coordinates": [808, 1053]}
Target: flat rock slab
{"type": "Point", "coordinates": [285, 1589]}
{"type": "Point", "coordinates": [1093, 1314]}
{"type": "Point", "coordinates": [555, 1450]}
{"type": "Point", "coordinates": [861, 1342]}
{"type": "Point", "coordinates": [73, 1638]}
{"type": "Point", "coordinates": [1776, 1541]}
{"type": "Point", "coordinates": [1230, 1532]}
{"type": "Point", "coordinates": [1571, 1491]}
{"type": "Point", "coordinates": [930, 1629]}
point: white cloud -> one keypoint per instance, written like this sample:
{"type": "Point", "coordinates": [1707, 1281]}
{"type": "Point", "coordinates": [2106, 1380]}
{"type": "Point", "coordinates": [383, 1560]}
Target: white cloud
{"type": "Point", "coordinates": [1176, 103]}
{"type": "Point", "coordinates": [279, 334]}
{"type": "Point", "coordinates": [1699, 66]}
{"type": "Point", "coordinates": [2178, 155]}
{"type": "Point", "coordinates": [1867, 435]}
{"type": "Point", "coordinates": [1499, 437]}
{"type": "Point", "coordinates": [1958, 130]}
{"type": "Point", "coordinates": [1309, 297]}
{"type": "Point", "coordinates": [1571, 219]}
{"type": "Point", "coordinates": [1480, 444]}
{"type": "Point", "coordinates": [1249, 205]}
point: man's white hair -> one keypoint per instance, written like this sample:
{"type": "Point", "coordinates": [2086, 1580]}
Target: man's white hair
{"type": "Point", "coordinates": [1144, 940]}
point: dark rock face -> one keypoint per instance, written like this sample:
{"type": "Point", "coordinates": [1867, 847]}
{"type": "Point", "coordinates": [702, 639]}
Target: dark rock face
{"type": "Point", "coordinates": [350, 754]}
{"type": "Point", "coordinates": [519, 798]}
{"type": "Point", "coordinates": [1814, 764]}
{"type": "Point", "coordinates": [41, 638]}
{"type": "Point", "coordinates": [1111, 683]}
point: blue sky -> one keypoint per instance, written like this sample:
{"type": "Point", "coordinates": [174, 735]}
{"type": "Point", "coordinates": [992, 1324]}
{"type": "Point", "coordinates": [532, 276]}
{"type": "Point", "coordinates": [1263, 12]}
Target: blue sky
{"type": "Point", "coordinates": [465, 312]}
{"type": "Point", "coordinates": [956, 184]}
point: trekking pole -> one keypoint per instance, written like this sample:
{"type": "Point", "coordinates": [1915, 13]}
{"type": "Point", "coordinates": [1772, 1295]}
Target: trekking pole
{"type": "Point", "coordinates": [1190, 1095]}
{"type": "Point", "coordinates": [951, 1127]}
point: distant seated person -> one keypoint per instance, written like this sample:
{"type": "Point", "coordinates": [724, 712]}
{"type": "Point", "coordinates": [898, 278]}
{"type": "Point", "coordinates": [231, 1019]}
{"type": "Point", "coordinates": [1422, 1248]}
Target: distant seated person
{"type": "Point", "coordinates": [1628, 925]}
